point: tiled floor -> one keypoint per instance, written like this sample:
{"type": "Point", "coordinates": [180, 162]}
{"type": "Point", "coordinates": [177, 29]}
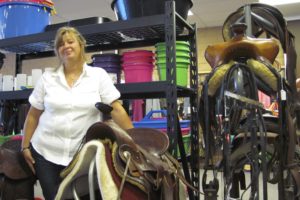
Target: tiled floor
{"type": "Point", "coordinates": [272, 189]}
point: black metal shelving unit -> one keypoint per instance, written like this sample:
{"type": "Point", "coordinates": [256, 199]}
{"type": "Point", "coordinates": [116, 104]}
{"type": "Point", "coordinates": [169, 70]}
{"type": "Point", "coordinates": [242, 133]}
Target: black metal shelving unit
{"type": "Point", "coordinates": [143, 90]}
{"type": "Point", "coordinates": [138, 32]}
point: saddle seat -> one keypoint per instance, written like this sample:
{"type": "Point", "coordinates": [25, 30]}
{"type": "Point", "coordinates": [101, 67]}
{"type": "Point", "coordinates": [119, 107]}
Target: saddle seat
{"type": "Point", "coordinates": [241, 47]}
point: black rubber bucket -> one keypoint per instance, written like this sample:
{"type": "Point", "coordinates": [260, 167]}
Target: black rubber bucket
{"type": "Point", "coordinates": [128, 9]}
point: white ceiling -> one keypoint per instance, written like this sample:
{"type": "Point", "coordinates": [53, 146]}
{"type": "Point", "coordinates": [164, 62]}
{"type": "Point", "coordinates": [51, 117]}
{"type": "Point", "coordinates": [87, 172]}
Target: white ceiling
{"type": "Point", "coordinates": [207, 13]}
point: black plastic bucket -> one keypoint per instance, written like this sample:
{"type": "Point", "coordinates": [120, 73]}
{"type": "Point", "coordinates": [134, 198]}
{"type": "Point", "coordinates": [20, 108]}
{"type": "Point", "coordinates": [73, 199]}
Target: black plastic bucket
{"type": "Point", "coordinates": [128, 9]}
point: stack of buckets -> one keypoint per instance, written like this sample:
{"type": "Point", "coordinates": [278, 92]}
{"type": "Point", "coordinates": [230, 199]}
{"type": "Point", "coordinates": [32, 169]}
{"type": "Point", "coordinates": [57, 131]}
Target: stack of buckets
{"type": "Point", "coordinates": [138, 66]}
{"type": "Point", "coordinates": [111, 63]}
{"type": "Point", "coordinates": [23, 17]}
{"type": "Point", "coordinates": [182, 61]}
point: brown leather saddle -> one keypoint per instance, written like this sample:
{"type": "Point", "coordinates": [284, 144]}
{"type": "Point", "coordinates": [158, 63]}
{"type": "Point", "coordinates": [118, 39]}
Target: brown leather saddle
{"type": "Point", "coordinates": [241, 47]}
{"type": "Point", "coordinates": [258, 54]}
{"type": "Point", "coordinates": [17, 179]}
{"type": "Point", "coordinates": [12, 162]}
{"type": "Point", "coordinates": [144, 152]}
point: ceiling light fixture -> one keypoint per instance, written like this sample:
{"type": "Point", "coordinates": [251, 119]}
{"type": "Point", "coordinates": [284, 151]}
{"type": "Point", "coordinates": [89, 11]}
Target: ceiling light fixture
{"type": "Point", "coordinates": [279, 2]}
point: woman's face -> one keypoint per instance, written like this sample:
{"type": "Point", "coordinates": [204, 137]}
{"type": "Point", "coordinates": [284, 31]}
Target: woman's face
{"type": "Point", "coordinates": [69, 49]}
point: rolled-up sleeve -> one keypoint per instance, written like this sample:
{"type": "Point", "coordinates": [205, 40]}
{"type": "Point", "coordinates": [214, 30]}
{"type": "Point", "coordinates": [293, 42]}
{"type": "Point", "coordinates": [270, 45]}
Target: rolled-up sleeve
{"type": "Point", "coordinates": [108, 91]}
{"type": "Point", "coordinates": [36, 99]}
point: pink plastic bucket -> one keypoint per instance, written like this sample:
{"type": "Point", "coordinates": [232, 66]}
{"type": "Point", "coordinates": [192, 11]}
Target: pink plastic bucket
{"type": "Point", "coordinates": [138, 53]}
{"type": "Point", "coordinates": [138, 73]}
{"type": "Point", "coordinates": [127, 60]}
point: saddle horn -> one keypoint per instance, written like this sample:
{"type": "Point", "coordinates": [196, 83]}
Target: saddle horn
{"type": "Point", "coordinates": [105, 109]}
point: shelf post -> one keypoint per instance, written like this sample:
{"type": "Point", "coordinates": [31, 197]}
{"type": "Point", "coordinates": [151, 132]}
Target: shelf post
{"type": "Point", "coordinates": [195, 164]}
{"type": "Point", "coordinates": [171, 93]}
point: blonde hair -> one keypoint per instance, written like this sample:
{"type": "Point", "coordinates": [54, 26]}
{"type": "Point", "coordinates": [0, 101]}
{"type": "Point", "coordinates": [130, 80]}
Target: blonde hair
{"type": "Point", "coordinates": [74, 32]}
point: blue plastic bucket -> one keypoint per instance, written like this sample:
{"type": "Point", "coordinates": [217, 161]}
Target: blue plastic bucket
{"type": "Point", "coordinates": [23, 18]}
{"type": "Point", "coordinates": [158, 123]}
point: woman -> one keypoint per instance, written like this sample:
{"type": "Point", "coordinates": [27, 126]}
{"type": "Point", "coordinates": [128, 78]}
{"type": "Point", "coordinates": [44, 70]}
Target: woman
{"type": "Point", "coordinates": [63, 108]}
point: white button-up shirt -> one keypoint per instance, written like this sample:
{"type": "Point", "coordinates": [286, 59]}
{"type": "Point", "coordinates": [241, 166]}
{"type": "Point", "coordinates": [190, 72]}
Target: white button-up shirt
{"type": "Point", "coordinates": [68, 111]}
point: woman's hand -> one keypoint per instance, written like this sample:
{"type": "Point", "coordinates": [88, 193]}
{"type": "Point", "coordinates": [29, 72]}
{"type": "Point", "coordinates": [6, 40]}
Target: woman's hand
{"type": "Point", "coordinates": [29, 159]}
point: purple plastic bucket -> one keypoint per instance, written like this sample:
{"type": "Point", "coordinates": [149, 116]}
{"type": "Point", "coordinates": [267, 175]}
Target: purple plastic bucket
{"type": "Point", "coordinates": [23, 18]}
{"type": "Point", "coordinates": [113, 70]}
{"type": "Point", "coordinates": [106, 64]}
{"type": "Point", "coordinates": [106, 57]}
{"type": "Point", "coordinates": [114, 73]}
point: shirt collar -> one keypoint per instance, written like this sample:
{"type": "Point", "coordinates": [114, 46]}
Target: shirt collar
{"type": "Point", "coordinates": [59, 72]}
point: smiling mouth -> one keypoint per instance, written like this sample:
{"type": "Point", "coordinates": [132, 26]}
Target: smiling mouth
{"type": "Point", "coordinates": [66, 53]}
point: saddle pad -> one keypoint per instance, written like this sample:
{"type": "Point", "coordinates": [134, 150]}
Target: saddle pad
{"type": "Point", "coordinates": [216, 80]}
{"type": "Point", "coordinates": [263, 72]}
{"type": "Point", "coordinates": [79, 173]}
{"type": "Point", "coordinates": [260, 70]}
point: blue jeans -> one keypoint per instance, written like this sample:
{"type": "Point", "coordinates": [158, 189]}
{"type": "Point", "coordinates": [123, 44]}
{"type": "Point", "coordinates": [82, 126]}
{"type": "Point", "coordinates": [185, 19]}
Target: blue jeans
{"type": "Point", "coordinates": [48, 174]}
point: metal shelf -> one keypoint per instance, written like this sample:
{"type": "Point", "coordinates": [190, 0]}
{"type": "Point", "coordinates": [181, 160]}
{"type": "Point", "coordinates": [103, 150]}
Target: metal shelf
{"type": "Point", "coordinates": [150, 90]}
{"type": "Point", "coordinates": [109, 33]}
{"type": "Point", "coordinates": [141, 90]}
{"type": "Point", "coordinates": [15, 95]}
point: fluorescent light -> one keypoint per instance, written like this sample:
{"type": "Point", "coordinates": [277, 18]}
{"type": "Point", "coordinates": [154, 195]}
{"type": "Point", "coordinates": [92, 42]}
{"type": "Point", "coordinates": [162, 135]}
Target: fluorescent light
{"type": "Point", "coordinates": [190, 13]}
{"type": "Point", "coordinates": [279, 2]}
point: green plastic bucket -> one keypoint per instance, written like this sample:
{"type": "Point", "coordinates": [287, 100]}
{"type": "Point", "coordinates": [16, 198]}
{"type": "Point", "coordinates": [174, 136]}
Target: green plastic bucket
{"type": "Point", "coordinates": [181, 73]}
{"type": "Point", "coordinates": [4, 138]}
{"type": "Point", "coordinates": [181, 48]}
{"type": "Point", "coordinates": [187, 144]}
{"type": "Point", "coordinates": [179, 53]}
{"type": "Point", "coordinates": [179, 59]}
{"type": "Point", "coordinates": [180, 45]}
